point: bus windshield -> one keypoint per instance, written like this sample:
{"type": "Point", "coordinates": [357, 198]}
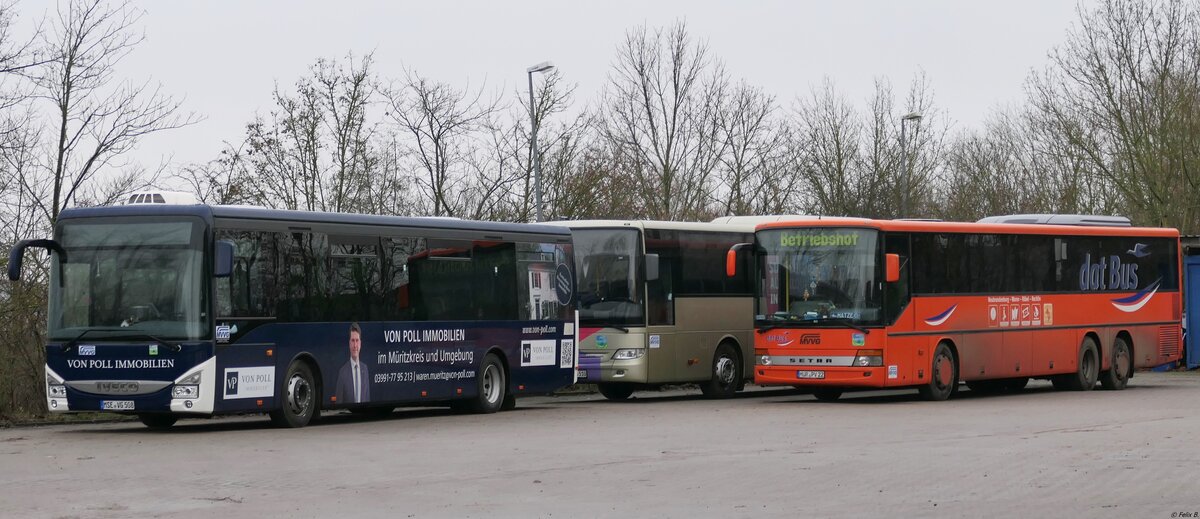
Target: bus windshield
{"type": "Point", "coordinates": [130, 276]}
{"type": "Point", "coordinates": [607, 267]}
{"type": "Point", "coordinates": [814, 275]}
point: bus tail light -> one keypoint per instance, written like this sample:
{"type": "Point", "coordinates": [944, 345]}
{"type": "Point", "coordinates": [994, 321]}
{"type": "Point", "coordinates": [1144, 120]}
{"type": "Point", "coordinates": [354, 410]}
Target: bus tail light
{"type": "Point", "coordinates": [867, 358]}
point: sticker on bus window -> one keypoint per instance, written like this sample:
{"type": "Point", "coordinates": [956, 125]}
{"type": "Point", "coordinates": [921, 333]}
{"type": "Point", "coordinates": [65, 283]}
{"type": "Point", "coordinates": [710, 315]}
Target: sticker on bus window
{"type": "Point", "coordinates": [858, 339]}
{"type": "Point", "coordinates": [655, 341]}
{"type": "Point", "coordinates": [1048, 314]}
{"type": "Point", "coordinates": [893, 371]}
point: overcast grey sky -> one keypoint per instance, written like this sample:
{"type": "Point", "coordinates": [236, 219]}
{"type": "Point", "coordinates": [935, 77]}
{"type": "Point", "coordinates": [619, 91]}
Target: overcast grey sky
{"type": "Point", "coordinates": [226, 56]}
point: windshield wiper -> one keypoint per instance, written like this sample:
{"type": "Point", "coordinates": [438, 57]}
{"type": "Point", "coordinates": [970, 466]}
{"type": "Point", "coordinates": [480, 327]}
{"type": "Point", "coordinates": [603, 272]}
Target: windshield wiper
{"type": "Point", "coordinates": [66, 347]}
{"type": "Point", "coordinates": [842, 321]}
{"type": "Point", "coordinates": [805, 322]}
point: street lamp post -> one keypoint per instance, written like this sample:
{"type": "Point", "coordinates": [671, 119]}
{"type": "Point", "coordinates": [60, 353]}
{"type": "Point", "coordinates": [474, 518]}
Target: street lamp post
{"type": "Point", "coordinates": [916, 118]}
{"type": "Point", "coordinates": [533, 146]}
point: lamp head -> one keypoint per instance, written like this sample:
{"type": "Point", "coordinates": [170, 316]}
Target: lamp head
{"type": "Point", "coordinates": [540, 67]}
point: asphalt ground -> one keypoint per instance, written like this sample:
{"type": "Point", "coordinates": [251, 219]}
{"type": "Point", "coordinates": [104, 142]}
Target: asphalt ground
{"type": "Point", "coordinates": [767, 453]}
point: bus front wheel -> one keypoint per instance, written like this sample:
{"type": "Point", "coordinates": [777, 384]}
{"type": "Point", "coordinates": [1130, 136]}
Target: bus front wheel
{"type": "Point", "coordinates": [726, 373]}
{"type": "Point", "coordinates": [616, 391]}
{"type": "Point", "coordinates": [943, 375]}
{"type": "Point", "coordinates": [299, 406]}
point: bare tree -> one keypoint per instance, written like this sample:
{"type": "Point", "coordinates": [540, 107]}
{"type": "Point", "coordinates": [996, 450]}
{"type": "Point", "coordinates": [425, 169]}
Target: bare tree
{"type": "Point", "coordinates": [314, 151]}
{"type": "Point", "coordinates": [1121, 95]}
{"type": "Point", "coordinates": [439, 123]}
{"type": "Point", "coordinates": [662, 118]}
{"type": "Point", "coordinates": [753, 179]}
{"type": "Point", "coordinates": [851, 162]}
{"type": "Point", "coordinates": [98, 117]}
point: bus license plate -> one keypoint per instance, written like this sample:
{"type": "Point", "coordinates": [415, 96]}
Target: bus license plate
{"type": "Point", "coordinates": [581, 374]}
{"type": "Point", "coordinates": [117, 405]}
{"type": "Point", "coordinates": [810, 374]}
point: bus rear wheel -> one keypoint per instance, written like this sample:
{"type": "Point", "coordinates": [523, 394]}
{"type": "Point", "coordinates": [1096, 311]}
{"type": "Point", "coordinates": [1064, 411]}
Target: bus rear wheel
{"type": "Point", "coordinates": [943, 375]}
{"type": "Point", "coordinates": [726, 373]}
{"type": "Point", "coordinates": [158, 421]}
{"type": "Point", "coordinates": [615, 391]}
{"type": "Point", "coordinates": [492, 386]}
{"type": "Point", "coordinates": [1084, 379]}
{"type": "Point", "coordinates": [1116, 377]}
{"type": "Point", "coordinates": [300, 392]}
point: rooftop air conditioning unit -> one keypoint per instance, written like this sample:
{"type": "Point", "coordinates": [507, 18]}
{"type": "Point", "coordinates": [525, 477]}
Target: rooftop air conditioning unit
{"type": "Point", "coordinates": [1086, 220]}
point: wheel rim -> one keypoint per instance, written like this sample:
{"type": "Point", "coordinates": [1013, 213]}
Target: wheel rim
{"type": "Point", "coordinates": [1121, 363]}
{"type": "Point", "coordinates": [491, 384]}
{"type": "Point", "coordinates": [1088, 367]}
{"type": "Point", "coordinates": [726, 371]}
{"type": "Point", "coordinates": [299, 395]}
{"type": "Point", "coordinates": [943, 371]}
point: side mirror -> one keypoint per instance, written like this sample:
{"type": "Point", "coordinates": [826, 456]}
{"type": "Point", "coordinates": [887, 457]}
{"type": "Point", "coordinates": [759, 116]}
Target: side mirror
{"type": "Point", "coordinates": [893, 267]}
{"type": "Point", "coordinates": [651, 267]}
{"type": "Point", "coordinates": [223, 266]}
{"type": "Point", "coordinates": [731, 259]}
{"type": "Point", "coordinates": [17, 256]}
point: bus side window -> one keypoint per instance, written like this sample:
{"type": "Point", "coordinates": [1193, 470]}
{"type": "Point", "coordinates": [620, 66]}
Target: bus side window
{"type": "Point", "coordinates": [899, 293]}
{"type": "Point", "coordinates": [660, 293]}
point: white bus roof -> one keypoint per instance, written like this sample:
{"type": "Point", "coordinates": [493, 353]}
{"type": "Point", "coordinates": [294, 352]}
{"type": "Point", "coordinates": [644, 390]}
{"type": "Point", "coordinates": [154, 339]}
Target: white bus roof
{"type": "Point", "coordinates": [656, 224]}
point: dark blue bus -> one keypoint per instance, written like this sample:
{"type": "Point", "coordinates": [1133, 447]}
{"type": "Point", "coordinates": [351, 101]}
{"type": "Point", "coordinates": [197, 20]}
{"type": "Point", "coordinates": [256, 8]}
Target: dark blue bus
{"type": "Point", "coordinates": [167, 311]}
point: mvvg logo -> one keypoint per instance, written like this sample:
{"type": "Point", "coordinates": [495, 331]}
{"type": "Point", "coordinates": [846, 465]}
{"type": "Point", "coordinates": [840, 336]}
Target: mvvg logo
{"type": "Point", "coordinates": [810, 338]}
{"type": "Point", "coordinates": [231, 383]}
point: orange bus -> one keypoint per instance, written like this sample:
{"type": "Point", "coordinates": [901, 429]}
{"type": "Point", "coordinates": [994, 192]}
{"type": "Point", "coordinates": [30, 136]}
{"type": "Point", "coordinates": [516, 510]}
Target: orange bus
{"type": "Point", "coordinates": [845, 303]}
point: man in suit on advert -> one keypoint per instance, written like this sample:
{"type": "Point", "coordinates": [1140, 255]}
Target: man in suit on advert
{"type": "Point", "coordinates": [354, 383]}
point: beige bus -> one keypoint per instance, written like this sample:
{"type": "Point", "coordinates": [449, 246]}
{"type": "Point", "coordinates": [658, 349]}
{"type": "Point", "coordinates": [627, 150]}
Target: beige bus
{"type": "Point", "coordinates": [655, 305]}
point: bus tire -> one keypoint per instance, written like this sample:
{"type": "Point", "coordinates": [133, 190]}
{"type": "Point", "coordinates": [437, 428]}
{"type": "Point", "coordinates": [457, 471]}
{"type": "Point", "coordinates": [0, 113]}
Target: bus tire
{"type": "Point", "coordinates": [492, 386]}
{"type": "Point", "coordinates": [943, 375]}
{"type": "Point", "coordinates": [827, 395]}
{"type": "Point", "coordinates": [725, 375]}
{"type": "Point", "coordinates": [300, 397]}
{"type": "Point", "coordinates": [615, 392]}
{"type": "Point", "coordinates": [1084, 378]}
{"type": "Point", "coordinates": [158, 421]}
{"type": "Point", "coordinates": [1117, 376]}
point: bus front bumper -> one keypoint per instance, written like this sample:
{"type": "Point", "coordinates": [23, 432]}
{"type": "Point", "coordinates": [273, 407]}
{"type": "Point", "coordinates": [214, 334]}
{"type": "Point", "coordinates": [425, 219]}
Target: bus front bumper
{"type": "Point", "coordinates": [822, 376]}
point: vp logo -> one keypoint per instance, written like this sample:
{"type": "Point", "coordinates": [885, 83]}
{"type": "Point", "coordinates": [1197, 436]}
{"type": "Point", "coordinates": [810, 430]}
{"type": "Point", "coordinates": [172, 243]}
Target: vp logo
{"type": "Point", "coordinates": [231, 383]}
{"type": "Point", "coordinates": [810, 338]}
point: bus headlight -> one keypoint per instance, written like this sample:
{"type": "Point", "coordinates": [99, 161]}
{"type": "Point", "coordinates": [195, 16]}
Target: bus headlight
{"type": "Point", "coordinates": [188, 392]}
{"type": "Point", "coordinates": [187, 387]}
{"type": "Point", "coordinates": [628, 354]}
{"type": "Point", "coordinates": [55, 387]}
{"type": "Point", "coordinates": [868, 358]}
{"type": "Point", "coordinates": [765, 360]}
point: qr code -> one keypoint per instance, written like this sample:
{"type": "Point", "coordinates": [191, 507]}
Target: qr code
{"type": "Point", "coordinates": [566, 358]}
